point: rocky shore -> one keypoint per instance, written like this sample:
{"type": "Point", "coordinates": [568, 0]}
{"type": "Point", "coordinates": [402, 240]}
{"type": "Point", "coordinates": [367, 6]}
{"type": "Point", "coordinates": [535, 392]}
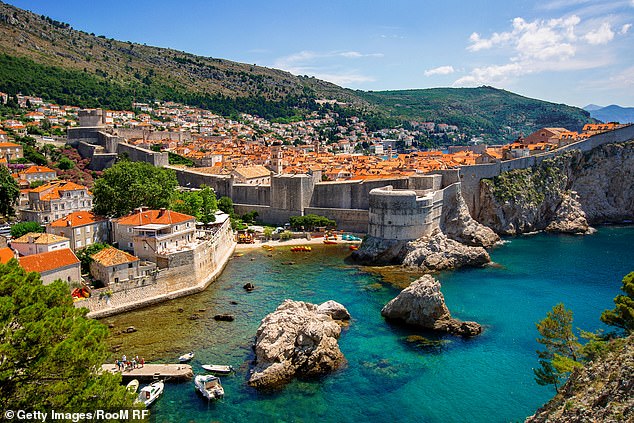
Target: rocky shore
{"type": "Point", "coordinates": [422, 304]}
{"type": "Point", "coordinates": [298, 339]}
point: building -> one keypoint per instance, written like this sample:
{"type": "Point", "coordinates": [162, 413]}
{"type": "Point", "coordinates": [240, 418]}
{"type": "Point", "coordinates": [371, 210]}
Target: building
{"type": "Point", "coordinates": [59, 264]}
{"type": "Point", "coordinates": [11, 151]}
{"type": "Point", "coordinates": [37, 173]}
{"type": "Point", "coordinates": [83, 228]}
{"type": "Point", "coordinates": [36, 243]}
{"type": "Point", "coordinates": [252, 175]}
{"type": "Point", "coordinates": [545, 135]}
{"type": "Point", "coordinates": [112, 265]}
{"type": "Point", "coordinates": [152, 233]}
{"type": "Point", "coordinates": [55, 200]}
{"type": "Point", "coordinates": [6, 254]}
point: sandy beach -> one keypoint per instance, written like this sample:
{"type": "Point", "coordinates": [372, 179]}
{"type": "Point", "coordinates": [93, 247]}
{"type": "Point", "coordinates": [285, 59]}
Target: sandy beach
{"type": "Point", "coordinates": [290, 243]}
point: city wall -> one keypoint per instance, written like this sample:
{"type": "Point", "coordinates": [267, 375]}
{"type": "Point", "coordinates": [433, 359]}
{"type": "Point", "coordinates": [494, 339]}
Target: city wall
{"type": "Point", "coordinates": [130, 133]}
{"type": "Point", "coordinates": [190, 271]}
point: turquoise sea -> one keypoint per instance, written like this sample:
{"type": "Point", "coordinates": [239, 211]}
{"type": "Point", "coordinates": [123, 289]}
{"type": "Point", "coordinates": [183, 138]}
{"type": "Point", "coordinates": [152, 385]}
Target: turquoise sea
{"type": "Point", "coordinates": [387, 379]}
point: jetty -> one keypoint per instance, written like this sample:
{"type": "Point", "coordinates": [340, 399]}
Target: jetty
{"type": "Point", "coordinates": [153, 371]}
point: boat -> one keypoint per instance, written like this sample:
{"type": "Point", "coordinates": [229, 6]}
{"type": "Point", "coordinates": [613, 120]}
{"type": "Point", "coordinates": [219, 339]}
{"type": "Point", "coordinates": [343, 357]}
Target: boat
{"type": "Point", "coordinates": [209, 386]}
{"type": "Point", "coordinates": [329, 242]}
{"type": "Point", "coordinates": [218, 368]}
{"type": "Point", "coordinates": [186, 357]}
{"type": "Point", "coordinates": [150, 393]}
{"type": "Point", "coordinates": [301, 248]}
{"type": "Point", "coordinates": [132, 386]}
{"type": "Point", "coordinates": [354, 247]}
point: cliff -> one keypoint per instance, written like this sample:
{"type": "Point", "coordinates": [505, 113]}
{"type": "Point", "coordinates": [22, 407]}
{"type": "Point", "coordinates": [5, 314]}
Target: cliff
{"type": "Point", "coordinates": [565, 193]}
{"type": "Point", "coordinates": [603, 391]}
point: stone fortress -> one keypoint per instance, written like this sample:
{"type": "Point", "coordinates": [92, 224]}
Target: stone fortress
{"type": "Point", "coordinates": [391, 208]}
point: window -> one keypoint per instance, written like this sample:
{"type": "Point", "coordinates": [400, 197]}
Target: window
{"type": "Point", "coordinates": [129, 230]}
{"type": "Point", "coordinates": [87, 229]}
{"type": "Point", "coordinates": [130, 244]}
{"type": "Point", "coordinates": [77, 231]}
{"type": "Point", "coordinates": [77, 243]}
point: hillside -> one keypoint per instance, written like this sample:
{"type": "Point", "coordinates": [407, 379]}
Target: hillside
{"type": "Point", "coordinates": [612, 113]}
{"type": "Point", "coordinates": [484, 110]}
{"type": "Point", "coordinates": [43, 57]}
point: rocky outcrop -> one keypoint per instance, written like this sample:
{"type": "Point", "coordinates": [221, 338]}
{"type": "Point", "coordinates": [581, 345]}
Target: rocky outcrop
{"type": "Point", "coordinates": [603, 391]}
{"type": "Point", "coordinates": [438, 252]}
{"type": "Point", "coordinates": [565, 193]}
{"type": "Point", "coordinates": [297, 340]}
{"type": "Point", "coordinates": [422, 304]}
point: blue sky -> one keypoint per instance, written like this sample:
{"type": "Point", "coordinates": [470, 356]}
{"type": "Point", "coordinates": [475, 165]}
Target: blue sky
{"type": "Point", "coordinates": [565, 51]}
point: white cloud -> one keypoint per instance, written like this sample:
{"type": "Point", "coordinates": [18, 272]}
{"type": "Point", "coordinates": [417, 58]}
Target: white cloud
{"type": "Point", "coordinates": [440, 70]}
{"type": "Point", "coordinates": [625, 28]}
{"type": "Point", "coordinates": [538, 46]}
{"type": "Point", "coordinates": [602, 35]}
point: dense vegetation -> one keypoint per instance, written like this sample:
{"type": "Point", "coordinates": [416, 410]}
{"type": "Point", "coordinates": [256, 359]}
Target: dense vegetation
{"type": "Point", "coordinates": [23, 228]}
{"type": "Point", "coordinates": [311, 221]}
{"type": "Point", "coordinates": [9, 192]}
{"type": "Point", "coordinates": [50, 350]}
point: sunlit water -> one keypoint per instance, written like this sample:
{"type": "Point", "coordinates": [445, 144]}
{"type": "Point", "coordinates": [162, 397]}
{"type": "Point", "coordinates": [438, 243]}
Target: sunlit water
{"type": "Point", "coordinates": [485, 379]}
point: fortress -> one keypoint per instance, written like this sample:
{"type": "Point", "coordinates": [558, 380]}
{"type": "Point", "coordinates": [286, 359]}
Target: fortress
{"type": "Point", "coordinates": [389, 208]}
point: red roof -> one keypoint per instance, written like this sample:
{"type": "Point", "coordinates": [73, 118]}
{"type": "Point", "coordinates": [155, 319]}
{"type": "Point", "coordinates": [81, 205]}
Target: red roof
{"type": "Point", "coordinates": [38, 169]}
{"type": "Point", "coordinates": [162, 217]}
{"type": "Point", "coordinates": [6, 254]}
{"type": "Point", "coordinates": [52, 260]}
{"type": "Point", "coordinates": [78, 218]}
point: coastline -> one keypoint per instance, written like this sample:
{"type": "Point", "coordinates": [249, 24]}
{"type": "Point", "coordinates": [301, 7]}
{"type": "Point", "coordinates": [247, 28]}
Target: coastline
{"type": "Point", "coordinates": [289, 243]}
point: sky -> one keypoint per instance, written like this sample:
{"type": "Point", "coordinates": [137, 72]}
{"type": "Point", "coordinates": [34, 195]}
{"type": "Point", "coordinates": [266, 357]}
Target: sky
{"type": "Point", "coordinates": [575, 52]}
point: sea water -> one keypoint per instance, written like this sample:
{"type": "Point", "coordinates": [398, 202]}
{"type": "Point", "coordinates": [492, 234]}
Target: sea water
{"type": "Point", "coordinates": [392, 374]}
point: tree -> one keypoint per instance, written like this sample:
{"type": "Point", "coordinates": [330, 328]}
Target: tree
{"type": "Point", "coordinates": [51, 353]}
{"type": "Point", "coordinates": [129, 185]}
{"type": "Point", "coordinates": [65, 163]}
{"type": "Point", "coordinates": [226, 205]}
{"type": "Point", "coordinates": [622, 316]}
{"type": "Point", "coordinates": [559, 357]}
{"type": "Point", "coordinates": [9, 192]}
{"type": "Point", "coordinates": [24, 228]}
{"type": "Point", "coordinates": [85, 255]}
{"type": "Point", "coordinates": [210, 205]}
{"type": "Point", "coordinates": [188, 202]}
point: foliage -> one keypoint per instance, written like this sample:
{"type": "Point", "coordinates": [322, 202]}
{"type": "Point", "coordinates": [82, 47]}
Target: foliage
{"type": "Point", "coordinates": [268, 232]}
{"type": "Point", "coordinates": [250, 217]}
{"type": "Point", "coordinates": [129, 185]}
{"type": "Point", "coordinates": [561, 348]}
{"type": "Point", "coordinates": [9, 192]}
{"type": "Point", "coordinates": [85, 255]}
{"type": "Point", "coordinates": [201, 203]}
{"type": "Point", "coordinates": [622, 316]}
{"type": "Point", "coordinates": [23, 228]}
{"type": "Point", "coordinates": [65, 163]}
{"type": "Point", "coordinates": [175, 159]}
{"type": "Point", "coordinates": [310, 222]}
{"type": "Point", "coordinates": [286, 235]}
{"type": "Point", "coordinates": [34, 156]}
{"type": "Point", "coordinates": [209, 206]}
{"type": "Point", "coordinates": [50, 350]}
{"type": "Point", "coordinates": [226, 205]}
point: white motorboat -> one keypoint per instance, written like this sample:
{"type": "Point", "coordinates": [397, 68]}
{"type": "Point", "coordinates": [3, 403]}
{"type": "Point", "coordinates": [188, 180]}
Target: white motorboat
{"type": "Point", "coordinates": [186, 357]}
{"type": "Point", "coordinates": [209, 386]}
{"type": "Point", "coordinates": [150, 393]}
{"type": "Point", "coordinates": [218, 368]}
{"type": "Point", "coordinates": [132, 386]}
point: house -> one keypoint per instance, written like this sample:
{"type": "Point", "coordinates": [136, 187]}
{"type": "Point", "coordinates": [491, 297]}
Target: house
{"type": "Point", "coordinates": [11, 151]}
{"type": "Point", "coordinates": [36, 243]}
{"type": "Point", "coordinates": [37, 173]}
{"type": "Point", "coordinates": [252, 175]}
{"type": "Point", "coordinates": [59, 264]}
{"type": "Point", "coordinates": [83, 228]}
{"type": "Point", "coordinates": [152, 233]}
{"type": "Point", "coordinates": [55, 200]}
{"type": "Point", "coordinates": [6, 254]}
{"type": "Point", "coordinates": [112, 265]}
{"type": "Point", "coordinates": [545, 135]}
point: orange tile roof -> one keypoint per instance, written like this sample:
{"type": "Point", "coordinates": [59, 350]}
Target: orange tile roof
{"type": "Point", "coordinates": [38, 169]}
{"type": "Point", "coordinates": [162, 217]}
{"type": "Point", "coordinates": [52, 260]}
{"type": "Point", "coordinates": [78, 218]}
{"type": "Point", "coordinates": [39, 238]}
{"type": "Point", "coordinates": [111, 256]}
{"type": "Point", "coordinates": [8, 144]}
{"type": "Point", "coordinates": [6, 254]}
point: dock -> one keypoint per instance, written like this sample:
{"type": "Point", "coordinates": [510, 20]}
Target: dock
{"type": "Point", "coordinates": [153, 371]}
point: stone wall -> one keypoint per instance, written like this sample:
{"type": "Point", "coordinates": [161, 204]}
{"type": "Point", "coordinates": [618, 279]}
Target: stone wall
{"type": "Point", "coordinates": [221, 184]}
{"type": "Point", "coordinates": [251, 194]}
{"type": "Point", "coordinates": [192, 271]}
{"type": "Point", "coordinates": [130, 133]}
{"type": "Point", "coordinates": [402, 215]}
{"type": "Point", "coordinates": [350, 220]}
{"type": "Point", "coordinates": [350, 194]}
{"type": "Point", "coordinates": [138, 154]}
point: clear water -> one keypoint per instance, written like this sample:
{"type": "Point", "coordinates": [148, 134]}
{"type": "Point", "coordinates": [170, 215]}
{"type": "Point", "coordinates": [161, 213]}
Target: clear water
{"type": "Point", "coordinates": [387, 378]}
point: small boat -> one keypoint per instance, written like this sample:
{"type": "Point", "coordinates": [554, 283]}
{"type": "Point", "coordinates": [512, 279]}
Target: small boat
{"type": "Point", "coordinates": [186, 357]}
{"type": "Point", "coordinates": [218, 368]}
{"type": "Point", "coordinates": [329, 242]}
{"type": "Point", "coordinates": [150, 393]}
{"type": "Point", "coordinates": [301, 248]}
{"type": "Point", "coordinates": [132, 386]}
{"type": "Point", "coordinates": [209, 386]}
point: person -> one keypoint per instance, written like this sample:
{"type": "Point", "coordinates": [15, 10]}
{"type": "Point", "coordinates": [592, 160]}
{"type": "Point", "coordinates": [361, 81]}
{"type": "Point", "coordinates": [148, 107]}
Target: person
{"type": "Point", "coordinates": [142, 362]}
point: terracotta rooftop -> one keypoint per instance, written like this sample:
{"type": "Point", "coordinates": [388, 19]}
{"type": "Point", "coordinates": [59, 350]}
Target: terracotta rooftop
{"type": "Point", "coordinates": [78, 218]}
{"type": "Point", "coordinates": [162, 217]}
{"type": "Point", "coordinates": [39, 238]}
{"type": "Point", "coordinates": [52, 260]}
{"type": "Point", "coordinates": [6, 254]}
{"type": "Point", "coordinates": [249, 172]}
{"type": "Point", "coordinates": [38, 169]}
{"type": "Point", "coordinates": [111, 256]}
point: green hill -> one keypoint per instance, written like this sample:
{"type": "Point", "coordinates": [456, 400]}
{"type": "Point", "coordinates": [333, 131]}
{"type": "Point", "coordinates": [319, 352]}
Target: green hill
{"type": "Point", "coordinates": [43, 57]}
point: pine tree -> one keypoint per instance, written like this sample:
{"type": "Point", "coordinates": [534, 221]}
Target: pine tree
{"type": "Point", "coordinates": [622, 316]}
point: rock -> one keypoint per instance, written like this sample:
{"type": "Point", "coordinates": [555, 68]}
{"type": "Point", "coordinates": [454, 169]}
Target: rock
{"type": "Point", "coordinates": [569, 217]}
{"type": "Point", "coordinates": [233, 302]}
{"type": "Point", "coordinates": [437, 252]}
{"type": "Point", "coordinates": [193, 317]}
{"type": "Point", "coordinates": [224, 317]}
{"type": "Point", "coordinates": [422, 304]}
{"type": "Point", "coordinates": [334, 310]}
{"type": "Point", "coordinates": [111, 325]}
{"type": "Point", "coordinates": [129, 329]}
{"type": "Point", "coordinates": [379, 251]}
{"type": "Point", "coordinates": [248, 287]}
{"type": "Point", "coordinates": [296, 340]}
